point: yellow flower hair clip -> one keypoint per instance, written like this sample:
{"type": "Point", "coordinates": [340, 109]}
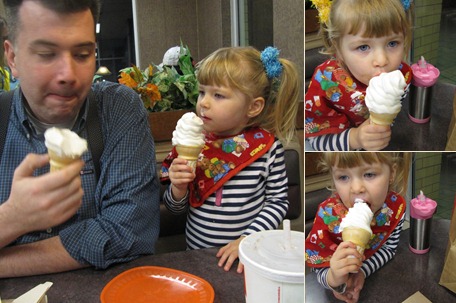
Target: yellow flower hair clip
{"type": "Point", "coordinates": [323, 7]}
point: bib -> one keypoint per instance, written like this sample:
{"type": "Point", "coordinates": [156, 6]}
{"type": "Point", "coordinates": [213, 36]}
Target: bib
{"type": "Point", "coordinates": [325, 236]}
{"type": "Point", "coordinates": [221, 159]}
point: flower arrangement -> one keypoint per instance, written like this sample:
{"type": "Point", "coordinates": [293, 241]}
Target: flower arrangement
{"type": "Point", "coordinates": [163, 87]}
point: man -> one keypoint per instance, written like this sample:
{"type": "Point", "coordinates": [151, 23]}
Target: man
{"type": "Point", "coordinates": [53, 222]}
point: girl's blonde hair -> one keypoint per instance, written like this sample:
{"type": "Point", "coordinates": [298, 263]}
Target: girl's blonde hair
{"type": "Point", "coordinates": [398, 161]}
{"type": "Point", "coordinates": [376, 17]}
{"type": "Point", "coordinates": [241, 68]}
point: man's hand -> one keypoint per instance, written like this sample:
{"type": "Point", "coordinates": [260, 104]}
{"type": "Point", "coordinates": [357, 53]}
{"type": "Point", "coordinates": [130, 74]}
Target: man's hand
{"type": "Point", "coordinates": [37, 203]}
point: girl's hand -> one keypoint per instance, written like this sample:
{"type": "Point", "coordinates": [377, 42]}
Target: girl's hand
{"type": "Point", "coordinates": [180, 175]}
{"type": "Point", "coordinates": [345, 259]}
{"type": "Point", "coordinates": [370, 136]}
{"type": "Point", "coordinates": [355, 283]}
{"type": "Point", "coordinates": [228, 254]}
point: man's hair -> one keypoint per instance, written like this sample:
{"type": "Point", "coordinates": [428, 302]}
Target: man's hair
{"type": "Point", "coordinates": [60, 6]}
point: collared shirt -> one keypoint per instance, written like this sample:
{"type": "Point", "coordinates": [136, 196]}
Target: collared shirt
{"type": "Point", "coordinates": [119, 217]}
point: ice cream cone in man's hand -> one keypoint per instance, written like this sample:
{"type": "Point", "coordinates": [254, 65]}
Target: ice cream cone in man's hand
{"type": "Point", "coordinates": [64, 147]}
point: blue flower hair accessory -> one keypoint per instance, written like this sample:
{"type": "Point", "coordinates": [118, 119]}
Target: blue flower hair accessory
{"type": "Point", "coordinates": [270, 58]}
{"type": "Point", "coordinates": [406, 4]}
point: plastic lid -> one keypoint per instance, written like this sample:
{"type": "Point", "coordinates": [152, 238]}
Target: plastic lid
{"type": "Point", "coordinates": [271, 255]}
{"type": "Point", "coordinates": [422, 207]}
{"type": "Point", "coordinates": [424, 73]}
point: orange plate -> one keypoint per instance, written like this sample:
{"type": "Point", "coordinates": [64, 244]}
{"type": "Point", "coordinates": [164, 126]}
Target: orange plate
{"type": "Point", "coordinates": [157, 284]}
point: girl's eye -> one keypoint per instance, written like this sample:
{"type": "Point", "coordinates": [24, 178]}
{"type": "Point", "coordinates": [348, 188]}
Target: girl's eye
{"type": "Point", "coordinates": [201, 93]}
{"type": "Point", "coordinates": [369, 175]}
{"type": "Point", "coordinates": [218, 96]}
{"type": "Point", "coordinates": [342, 178]}
{"type": "Point", "coordinates": [363, 48]}
{"type": "Point", "coordinates": [393, 43]}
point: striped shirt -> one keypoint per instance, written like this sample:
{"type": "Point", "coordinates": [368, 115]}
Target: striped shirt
{"type": "Point", "coordinates": [253, 200]}
{"type": "Point", "coordinates": [377, 261]}
{"type": "Point", "coordinates": [333, 142]}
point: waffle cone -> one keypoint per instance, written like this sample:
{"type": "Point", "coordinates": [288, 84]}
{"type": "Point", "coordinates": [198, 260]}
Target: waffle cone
{"type": "Point", "coordinates": [58, 162]}
{"type": "Point", "coordinates": [383, 119]}
{"type": "Point", "coordinates": [189, 153]}
{"type": "Point", "coordinates": [358, 236]}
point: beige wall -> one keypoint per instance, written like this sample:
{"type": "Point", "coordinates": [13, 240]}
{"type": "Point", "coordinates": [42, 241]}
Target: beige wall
{"type": "Point", "coordinates": [204, 25]}
{"type": "Point", "coordinates": [289, 33]}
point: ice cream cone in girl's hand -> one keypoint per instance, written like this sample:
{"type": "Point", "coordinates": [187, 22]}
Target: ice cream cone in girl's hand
{"type": "Point", "coordinates": [384, 97]}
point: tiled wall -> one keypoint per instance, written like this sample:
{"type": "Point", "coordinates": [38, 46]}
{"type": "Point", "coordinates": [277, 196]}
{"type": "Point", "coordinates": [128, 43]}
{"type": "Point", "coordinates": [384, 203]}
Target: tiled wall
{"type": "Point", "coordinates": [427, 174]}
{"type": "Point", "coordinates": [427, 29]}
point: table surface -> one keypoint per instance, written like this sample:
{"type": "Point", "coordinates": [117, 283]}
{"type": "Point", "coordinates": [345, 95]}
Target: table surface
{"type": "Point", "coordinates": [401, 277]}
{"type": "Point", "coordinates": [85, 285]}
{"type": "Point", "coordinates": [410, 136]}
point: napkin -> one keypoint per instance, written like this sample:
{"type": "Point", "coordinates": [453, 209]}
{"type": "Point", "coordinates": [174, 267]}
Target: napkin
{"type": "Point", "coordinates": [35, 295]}
{"type": "Point", "coordinates": [417, 297]}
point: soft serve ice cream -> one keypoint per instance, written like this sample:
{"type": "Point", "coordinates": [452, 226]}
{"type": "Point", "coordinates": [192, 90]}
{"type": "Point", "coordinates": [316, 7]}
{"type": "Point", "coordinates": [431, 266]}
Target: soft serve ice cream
{"type": "Point", "coordinates": [188, 138]}
{"type": "Point", "coordinates": [355, 226]}
{"type": "Point", "coordinates": [383, 97]}
{"type": "Point", "coordinates": [64, 147]}
{"type": "Point", "coordinates": [189, 131]}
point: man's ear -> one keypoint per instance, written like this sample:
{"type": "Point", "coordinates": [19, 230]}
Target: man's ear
{"type": "Point", "coordinates": [256, 107]}
{"type": "Point", "coordinates": [10, 57]}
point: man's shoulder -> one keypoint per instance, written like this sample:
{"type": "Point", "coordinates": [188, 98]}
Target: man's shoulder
{"type": "Point", "coordinates": [108, 88]}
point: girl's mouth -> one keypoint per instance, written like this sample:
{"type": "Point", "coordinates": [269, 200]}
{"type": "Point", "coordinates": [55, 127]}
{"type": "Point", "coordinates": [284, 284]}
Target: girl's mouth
{"type": "Point", "coordinates": [362, 200]}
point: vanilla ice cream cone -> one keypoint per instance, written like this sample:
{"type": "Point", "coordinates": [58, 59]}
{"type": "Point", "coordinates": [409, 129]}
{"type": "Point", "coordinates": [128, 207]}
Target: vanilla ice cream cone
{"type": "Point", "coordinates": [58, 162]}
{"type": "Point", "coordinates": [383, 119]}
{"type": "Point", "coordinates": [189, 153]}
{"type": "Point", "coordinates": [64, 147]}
{"type": "Point", "coordinates": [358, 236]}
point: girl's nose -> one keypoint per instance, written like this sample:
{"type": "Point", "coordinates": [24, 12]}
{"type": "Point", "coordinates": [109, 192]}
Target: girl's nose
{"type": "Point", "coordinates": [380, 58]}
{"type": "Point", "coordinates": [203, 101]}
{"type": "Point", "coordinates": [357, 186]}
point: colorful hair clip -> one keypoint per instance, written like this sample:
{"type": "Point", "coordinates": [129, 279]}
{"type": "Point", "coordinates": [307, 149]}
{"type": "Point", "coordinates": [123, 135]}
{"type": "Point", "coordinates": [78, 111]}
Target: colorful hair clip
{"type": "Point", "coordinates": [270, 58]}
{"type": "Point", "coordinates": [406, 4]}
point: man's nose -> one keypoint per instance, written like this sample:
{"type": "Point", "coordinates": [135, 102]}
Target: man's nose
{"type": "Point", "coordinates": [66, 69]}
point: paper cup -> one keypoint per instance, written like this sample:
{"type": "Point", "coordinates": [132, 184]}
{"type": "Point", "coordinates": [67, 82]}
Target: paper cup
{"type": "Point", "coordinates": [273, 269]}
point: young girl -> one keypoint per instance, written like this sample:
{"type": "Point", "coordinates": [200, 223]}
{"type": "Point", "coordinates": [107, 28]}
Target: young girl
{"type": "Point", "coordinates": [365, 38]}
{"type": "Point", "coordinates": [371, 177]}
{"type": "Point", "coordinates": [248, 102]}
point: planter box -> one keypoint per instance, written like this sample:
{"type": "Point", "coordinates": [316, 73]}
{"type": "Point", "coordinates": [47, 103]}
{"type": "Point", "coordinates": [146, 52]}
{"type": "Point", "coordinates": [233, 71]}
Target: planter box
{"type": "Point", "coordinates": [162, 124]}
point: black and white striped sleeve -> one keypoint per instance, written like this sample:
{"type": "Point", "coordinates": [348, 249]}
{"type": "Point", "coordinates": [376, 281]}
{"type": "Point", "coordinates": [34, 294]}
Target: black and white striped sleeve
{"type": "Point", "coordinates": [331, 142]}
{"type": "Point", "coordinates": [385, 253]}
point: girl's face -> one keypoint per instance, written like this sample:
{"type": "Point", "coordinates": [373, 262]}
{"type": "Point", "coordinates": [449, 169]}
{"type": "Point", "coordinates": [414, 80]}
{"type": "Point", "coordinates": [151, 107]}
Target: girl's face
{"type": "Point", "coordinates": [368, 57]}
{"type": "Point", "coordinates": [224, 111]}
{"type": "Point", "coordinates": [369, 182]}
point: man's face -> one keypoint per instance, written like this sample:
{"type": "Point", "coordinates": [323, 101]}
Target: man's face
{"type": "Point", "coordinates": [54, 58]}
